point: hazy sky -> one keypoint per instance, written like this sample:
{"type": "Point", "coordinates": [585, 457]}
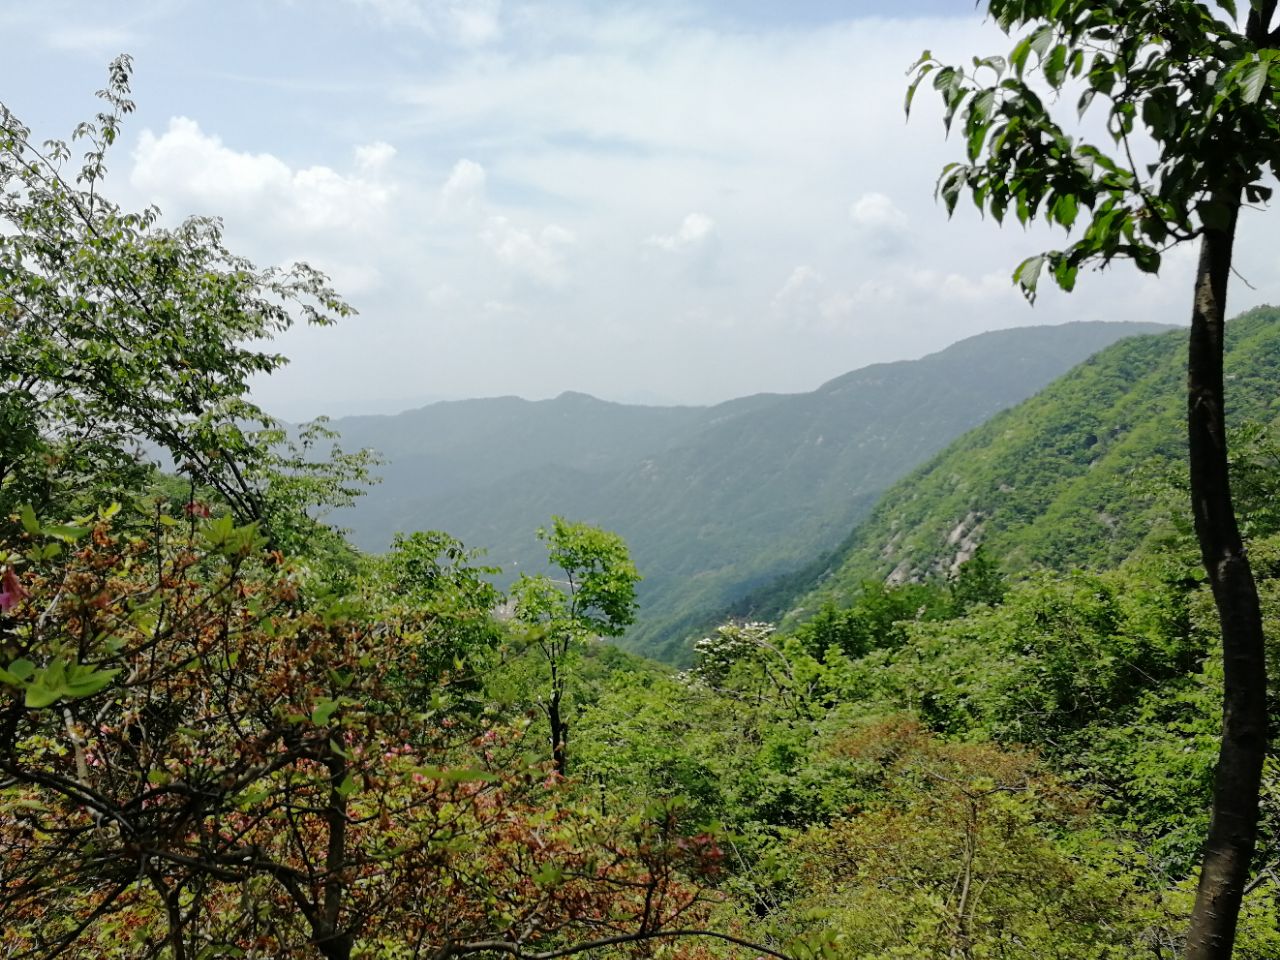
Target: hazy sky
{"type": "Point", "coordinates": [656, 201]}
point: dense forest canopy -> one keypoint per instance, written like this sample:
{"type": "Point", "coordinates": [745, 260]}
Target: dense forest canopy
{"type": "Point", "coordinates": [713, 501]}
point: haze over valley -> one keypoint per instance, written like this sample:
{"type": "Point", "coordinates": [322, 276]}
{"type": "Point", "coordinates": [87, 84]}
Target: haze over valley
{"type": "Point", "coordinates": [713, 501]}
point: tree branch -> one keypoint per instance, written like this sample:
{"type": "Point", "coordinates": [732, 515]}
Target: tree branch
{"type": "Point", "coordinates": [517, 950]}
{"type": "Point", "coordinates": [80, 928]}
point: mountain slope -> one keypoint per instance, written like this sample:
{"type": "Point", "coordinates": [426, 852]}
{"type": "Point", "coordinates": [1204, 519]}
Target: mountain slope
{"type": "Point", "coordinates": [714, 501]}
{"type": "Point", "coordinates": [1059, 481]}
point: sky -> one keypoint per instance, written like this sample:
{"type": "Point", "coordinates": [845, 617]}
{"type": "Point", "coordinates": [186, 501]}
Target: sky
{"type": "Point", "coordinates": [675, 202]}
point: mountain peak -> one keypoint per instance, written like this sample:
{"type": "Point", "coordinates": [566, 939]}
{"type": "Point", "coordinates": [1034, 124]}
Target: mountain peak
{"type": "Point", "coordinates": [574, 396]}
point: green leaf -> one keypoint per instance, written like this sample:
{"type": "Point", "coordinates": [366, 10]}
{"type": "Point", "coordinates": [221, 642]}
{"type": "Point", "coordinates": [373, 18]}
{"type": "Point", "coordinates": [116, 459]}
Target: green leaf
{"type": "Point", "coordinates": [1055, 68]}
{"type": "Point", "coordinates": [323, 711]}
{"type": "Point", "coordinates": [949, 184]}
{"type": "Point", "coordinates": [996, 63]}
{"type": "Point", "coordinates": [1153, 115]}
{"type": "Point", "coordinates": [980, 107]}
{"type": "Point", "coordinates": [1065, 210]}
{"type": "Point", "coordinates": [1147, 259]}
{"type": "Point", "coordinates": [87, 684]}
{"type": "Point", "coordinates": [1086, 98]}
{"type": "Point", "coordinates": [29, 522]}
{"type": "Point", "coordinates": [1155, 228]}
{"type": "Point", "coordinates": [348, 786]}
{"type": "Point", "coordinates": [1252, 79]}
{"type": "Point", "coordinates": [1257, 193]}
{"type": "Point", "coordinates": [1027, 275]}
{"type": "Point", "coordinates": [22, 669]}
{"type": "Point", "coordinates": [217, 951]}
{"type": "Point", "coordinates": [1215, 216]}
{"type": "Point", "coordinates": [549, 876]}
{"type": "Point", "coordinates": [1018, 58]}
{"type": "Point", "coordinates": [1064, 274]}
{"type": "Point", "coordinates": [40, 696]}
{"type": "Point", "coordinates": [65, 533]}
{"type": "Point", "coordinates": [1041, 39]}
{"type": "Point", "coordinates": [924, 71]}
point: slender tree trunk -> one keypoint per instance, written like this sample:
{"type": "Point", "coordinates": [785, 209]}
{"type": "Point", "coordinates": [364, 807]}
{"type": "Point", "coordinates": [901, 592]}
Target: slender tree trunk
{"type": "Point", "coordinates": [559, 735]}
{"type": "Point", "coordinates": [173, 908]}
{"type": "Point", "coordinates": [1234, 823]}
{"type": "Point", "coordinates": [333, 942]}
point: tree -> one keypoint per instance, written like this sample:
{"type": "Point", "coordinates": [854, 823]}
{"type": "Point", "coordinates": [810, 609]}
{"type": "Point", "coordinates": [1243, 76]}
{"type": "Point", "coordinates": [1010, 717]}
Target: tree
{"type": "Point", "coordinates": [121, 339]}
{"type": "Point", "coordinates": [958, 852]}
{"type": "Point", "coordinates": [1204, 89]}
{"type": "Point", "coordinates": [431, 574]}
{"type": "Point", "coordinates": [198, 757]}
{"type": "Point", "coordinates": [597, 597]}
{"type": "Point", "coordinates": [205, 748]}
{"type": "Point", "coordinates": [977, 581]}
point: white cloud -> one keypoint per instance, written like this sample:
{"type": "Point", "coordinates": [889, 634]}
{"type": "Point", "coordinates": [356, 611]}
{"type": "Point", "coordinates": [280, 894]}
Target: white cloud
{"type": "Point", "coordinates": [443, 295]}
{"type": "Point", "coordinates": [837, 309]}
{"type": "Point", "coordinates": [800, 285]}
{"type": "Point", "coordinates": [623, 185]}
{"type": "Point", "coordinates": [93, 41]}
{"type": "Point", "coordinates": [463, 194]}
{"type": "Point", "coordinates": [468, 23]}
{"type": "Point", "coordinates": [875, 211]}
{"type": "Point", "coordinates": [807, 301]}
{"type": "Point", "coordinates": [696, 232]}
{"type": "Point", "coordinates": [876, 292]}
{"type": "Point", "coordinates": [994, 285]}
{"type": "Point", "coordinates": [532, 254]}
{"type": "Point", "coordinates": [196, 173]}
{"type": "Point", "coordinates": [373, 158]}
{"type": "Point", "coordinates": [539, 257]}
{"type": "Point", "coordinates": [881, 227]}
{"type": "Point", "coordinates": [349, 278]}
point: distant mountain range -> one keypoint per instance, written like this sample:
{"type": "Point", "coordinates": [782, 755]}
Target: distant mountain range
{"type": "Point", "coordinates": [715, 502]}
{"type": "Point", "coordinates": [1064, 480]}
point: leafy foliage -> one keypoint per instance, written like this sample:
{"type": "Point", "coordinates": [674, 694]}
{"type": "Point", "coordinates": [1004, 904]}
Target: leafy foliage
{"type": "Point", "coordinates": [1081, 475]}
{"type": "Point", "coordinates": [596, 598]}
{"type": "Point", "coordinates": [225, 732]}
{"type": "Point", "coordinates": [121, 337]}
{"type": "Point", "coordinates": [713, 502]}
{"type": "Point", "coordinates": [196, 753]}
{"type": "Point", "coordinates": [1184, 76]}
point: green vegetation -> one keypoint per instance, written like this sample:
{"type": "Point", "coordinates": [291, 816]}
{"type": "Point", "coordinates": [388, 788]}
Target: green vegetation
{"type": "Point", "coordinates": [1201, 85]}
{"type": "Point", "coordinates": [225, 732]}
{"type": "Point", "coordinates": [595, 598]}
{"type": "Point", "coordinates": [1081, 475]}
{"type": "Point", "coordinates": [714, 502]}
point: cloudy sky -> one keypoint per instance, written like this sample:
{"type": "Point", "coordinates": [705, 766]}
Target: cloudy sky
{"type": "Point", "coordinates": [654, 201]}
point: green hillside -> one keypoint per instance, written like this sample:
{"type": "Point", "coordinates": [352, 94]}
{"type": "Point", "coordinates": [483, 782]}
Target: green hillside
{"type": "Point", "coordinates": [715, 502]}
{"type": "Point", "coordinates": [1060, 481]}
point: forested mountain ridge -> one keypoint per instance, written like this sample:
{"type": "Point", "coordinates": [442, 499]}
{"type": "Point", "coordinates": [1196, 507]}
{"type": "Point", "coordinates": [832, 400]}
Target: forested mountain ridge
{"type": "Point", "coordinates": [714, 501]}
{"type": "Point", "coordinates": [1063, 480]}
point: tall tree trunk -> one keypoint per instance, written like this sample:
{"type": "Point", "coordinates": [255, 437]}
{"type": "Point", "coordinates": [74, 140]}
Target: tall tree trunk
{"type": "Point", "coordinates": [331, 940]}
{"type": "Point", "coordinates": [1234, 822]}
{"type": "Point", "coordinates": [559, 735]}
